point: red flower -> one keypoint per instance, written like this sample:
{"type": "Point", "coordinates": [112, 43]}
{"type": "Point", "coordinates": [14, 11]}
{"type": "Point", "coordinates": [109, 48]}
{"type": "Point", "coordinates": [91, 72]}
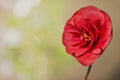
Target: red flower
{"type": "Point", "coordinates": [86, 34]}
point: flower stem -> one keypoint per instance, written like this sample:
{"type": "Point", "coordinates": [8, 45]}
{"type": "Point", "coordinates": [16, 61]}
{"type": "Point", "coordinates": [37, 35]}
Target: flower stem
{"type": "Point", "coordinates": [88, 72]}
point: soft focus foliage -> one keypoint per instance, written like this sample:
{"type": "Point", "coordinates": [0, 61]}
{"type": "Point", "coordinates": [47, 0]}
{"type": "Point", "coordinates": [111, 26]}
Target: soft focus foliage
{"type": "Point", "coordinates": [32, 40]}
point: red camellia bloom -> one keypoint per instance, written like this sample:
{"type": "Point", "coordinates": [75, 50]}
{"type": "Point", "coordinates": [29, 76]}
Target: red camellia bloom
{"type": "Point", "coordinates": [86, 34]}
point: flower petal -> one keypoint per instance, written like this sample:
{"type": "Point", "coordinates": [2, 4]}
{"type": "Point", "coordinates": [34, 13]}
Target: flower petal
{"type": "Point", "coordinates": [87, 59]}
{"type": "Point", "coordinates": [66, 37]}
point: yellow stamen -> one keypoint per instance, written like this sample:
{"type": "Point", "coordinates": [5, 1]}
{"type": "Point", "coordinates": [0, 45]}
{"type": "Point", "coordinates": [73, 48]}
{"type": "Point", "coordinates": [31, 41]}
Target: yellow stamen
{"type": "Point", "coordinates": [86, 37]}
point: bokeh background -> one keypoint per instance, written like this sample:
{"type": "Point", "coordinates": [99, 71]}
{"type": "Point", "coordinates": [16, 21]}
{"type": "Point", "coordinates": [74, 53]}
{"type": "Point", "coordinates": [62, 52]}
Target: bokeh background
{"type": "Point", "coordinates": [31, 46]}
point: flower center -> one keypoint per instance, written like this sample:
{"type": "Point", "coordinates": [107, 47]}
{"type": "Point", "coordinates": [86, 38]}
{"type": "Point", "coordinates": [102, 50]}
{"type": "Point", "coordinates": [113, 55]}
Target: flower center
{"type": "Point", "coordinates": [85, 36]}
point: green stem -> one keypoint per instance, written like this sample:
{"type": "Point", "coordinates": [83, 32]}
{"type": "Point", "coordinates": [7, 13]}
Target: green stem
{"type": "Point", "coordinates": [88, 72]}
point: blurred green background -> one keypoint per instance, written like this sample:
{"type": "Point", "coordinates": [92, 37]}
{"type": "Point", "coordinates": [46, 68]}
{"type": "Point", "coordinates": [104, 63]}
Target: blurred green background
{"type": "Point", "coordinates": [31, 46]}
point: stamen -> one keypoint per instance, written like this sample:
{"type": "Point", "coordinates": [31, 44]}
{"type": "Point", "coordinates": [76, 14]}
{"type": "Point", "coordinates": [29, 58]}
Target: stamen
{"type": "Point", "coordinates": [86, 37]}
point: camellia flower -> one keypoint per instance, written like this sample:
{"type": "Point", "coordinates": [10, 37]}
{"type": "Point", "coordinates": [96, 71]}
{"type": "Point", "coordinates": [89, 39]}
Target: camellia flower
{"type": "Point", "coordinates": [86, 34]}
